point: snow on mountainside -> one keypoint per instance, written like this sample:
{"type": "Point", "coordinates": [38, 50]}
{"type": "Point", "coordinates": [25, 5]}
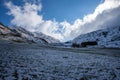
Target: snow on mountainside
{"type": "Point", "coordinates": [47, 38]}
{"type": "Point", "coordinates": [109, 38]}
{"type": "Point", "coordinates": [19, 34]}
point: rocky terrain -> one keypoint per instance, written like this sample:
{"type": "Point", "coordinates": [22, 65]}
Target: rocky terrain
{"type": "Point", "coordinates": [20, 60]}
{"type": "Point", "coordinates": [34, 62]}
{"type": "Point", "coordinates": [104, 38]}
{"type": "Point", "coordinates": [19, 34]}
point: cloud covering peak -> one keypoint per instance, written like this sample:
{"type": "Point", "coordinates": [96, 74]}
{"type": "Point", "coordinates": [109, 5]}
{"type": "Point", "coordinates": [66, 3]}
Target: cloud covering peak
{"type": "Point", "coordinates": [106, 14]}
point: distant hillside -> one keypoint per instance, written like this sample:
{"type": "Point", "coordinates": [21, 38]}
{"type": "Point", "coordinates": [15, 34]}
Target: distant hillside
{"type": "Point", "coordinates": [109, 37]}
{"type": "Point", "coordinates": [19, 34]}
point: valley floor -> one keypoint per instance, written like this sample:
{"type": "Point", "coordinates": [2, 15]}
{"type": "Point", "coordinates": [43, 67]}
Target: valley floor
{"type": "Point", "coordinates": [35, 62]}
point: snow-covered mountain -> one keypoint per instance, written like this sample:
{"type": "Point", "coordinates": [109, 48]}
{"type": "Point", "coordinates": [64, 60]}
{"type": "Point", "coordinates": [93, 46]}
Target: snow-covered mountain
{"type": "Point", "coordinates": [19, 34]}
{"type": "Point", "coordinates": [109, 37]}
{"type": "Point", "coordinates": [47, 38]}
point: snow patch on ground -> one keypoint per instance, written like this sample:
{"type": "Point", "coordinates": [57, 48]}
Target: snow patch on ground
{"type": "Point", "coordinates": [31, 62]}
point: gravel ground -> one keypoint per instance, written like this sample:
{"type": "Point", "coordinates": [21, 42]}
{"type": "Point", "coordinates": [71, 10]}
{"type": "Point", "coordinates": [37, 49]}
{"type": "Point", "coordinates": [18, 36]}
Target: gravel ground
{"type": "Point", "coordinates": [33, 62]}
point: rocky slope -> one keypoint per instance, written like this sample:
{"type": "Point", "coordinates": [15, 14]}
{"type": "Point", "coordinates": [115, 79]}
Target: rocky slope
{"type": "Point", "coordinates": [35, 62]}
{"type": "Point", "coordinates": [19, 34]}
{"type": "Point", "coordinates": [109, 37]}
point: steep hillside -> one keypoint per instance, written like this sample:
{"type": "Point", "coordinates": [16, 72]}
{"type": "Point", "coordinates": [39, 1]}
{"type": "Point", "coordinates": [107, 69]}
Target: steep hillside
{"type": "Point", "coordinates": [19, 34]}
{"type": "Point", "coordinates": [47, 38]}
{"type": "Point", "coordinates": [109, 38]}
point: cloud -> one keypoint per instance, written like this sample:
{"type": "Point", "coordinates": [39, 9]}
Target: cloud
{"type": "Point", "coordinates": [102, 17]}
{"type": "Point", "coordinates": [106, 14]}
{"type": "Point", "coordinates": [28, 17]}
{"type": "Point", "coordinates": [50, 27]}
{"type": "Point", "coordinates": [25, 16]}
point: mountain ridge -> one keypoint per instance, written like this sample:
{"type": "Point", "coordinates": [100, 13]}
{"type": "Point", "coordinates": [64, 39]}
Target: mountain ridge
{"type": "Point", "coordinates": [19, 34]}
{"type": "Point", "coordinates": [109, 38]}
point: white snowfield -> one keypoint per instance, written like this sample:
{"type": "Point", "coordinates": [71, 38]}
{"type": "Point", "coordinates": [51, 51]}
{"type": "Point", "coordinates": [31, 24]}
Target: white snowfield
{"type": "Point", "coordinates": [35, 62]}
